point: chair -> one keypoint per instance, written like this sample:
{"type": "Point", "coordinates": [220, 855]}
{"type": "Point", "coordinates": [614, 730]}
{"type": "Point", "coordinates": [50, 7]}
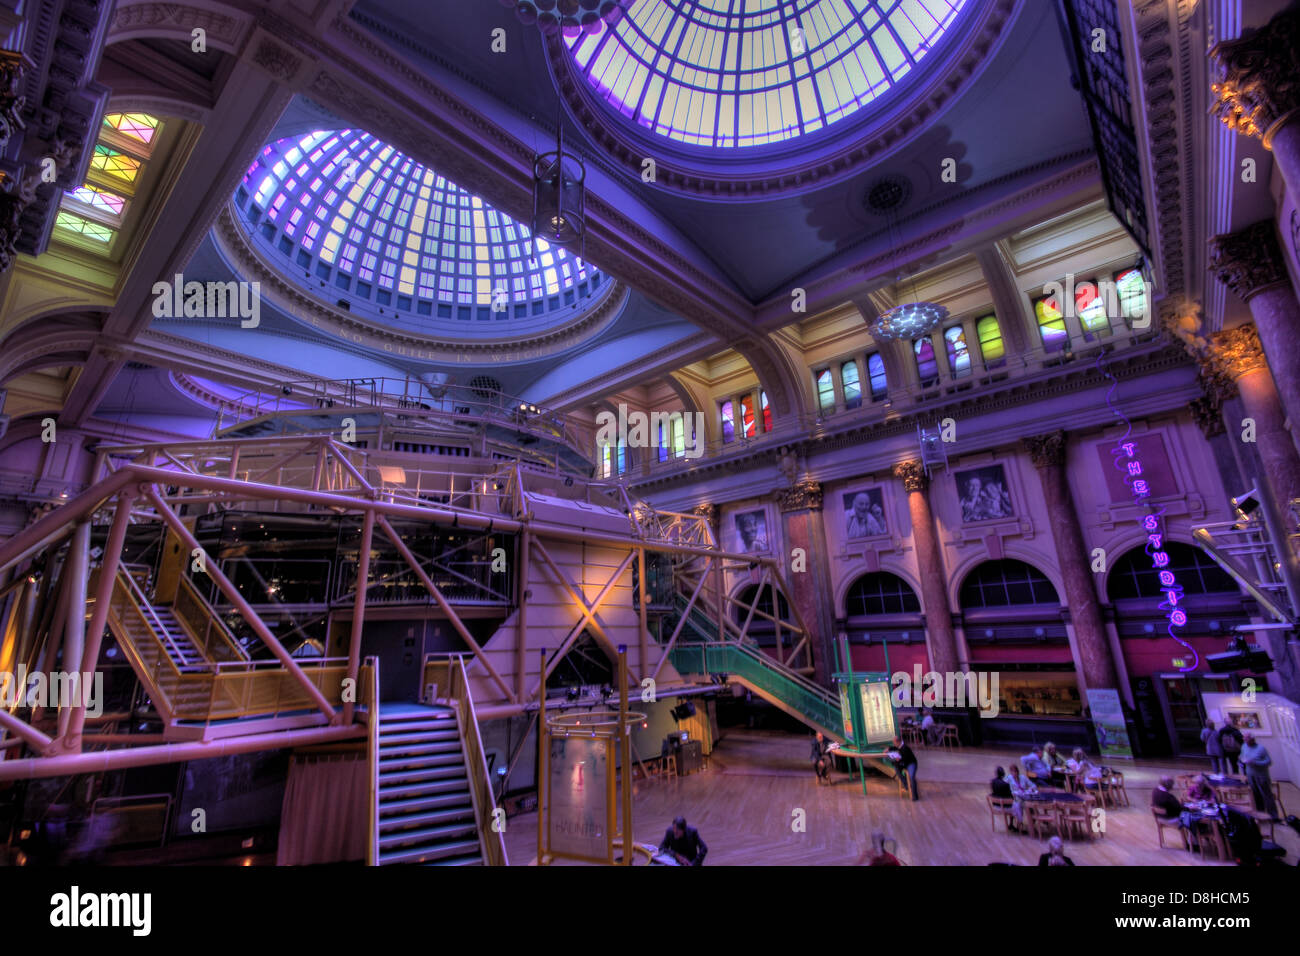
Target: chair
{"type": "Point", "coordinates": [1097, 789]}
{"type": "Point", "coordinates": [912, 734]}
{"type": "Point", "coordinates": [948, 736]}
{"type": "Point", "coordinates": [1090, 803]}
{"type": "Point", "coordinates": [1117, 791]}
{"type": "Point", "coordinates": [1239, 797]}
{"type": "Point", "coordinates": [1262, 818]}
{"type": "Point", "coordinates": [1077, 816]}
{"type": "Point", "coordinates": [1041, 817]}
{"type": "Point", "coordinates": [1277, 796]}
{"type": "Point", "coordinates": [1000, 806]}
{"type": "Point", "coordinates": [1163, 823]}
{"type": "Point", "coordinates": [904, 790]}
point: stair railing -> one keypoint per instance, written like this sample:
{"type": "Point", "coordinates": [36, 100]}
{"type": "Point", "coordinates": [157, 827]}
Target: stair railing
{"type": "Point", "coordinates": [206, 629]}
{"type": "Point", "coordinates": [490, 839]}
{"type": "Point", "coordinates": [146, 609]}
{"type": "Point", "coordinates": [370, 700]}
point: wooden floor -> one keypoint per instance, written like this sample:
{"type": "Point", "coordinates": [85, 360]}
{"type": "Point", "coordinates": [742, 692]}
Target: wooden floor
{"type": "Point", "coordinates": [744, 806]}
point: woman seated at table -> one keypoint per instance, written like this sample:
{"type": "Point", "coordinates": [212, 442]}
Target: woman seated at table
{"type": "Point", "coordinates": [1086, 773]}
{"type": "Point", "coordinates": [1055, 763]}
{"type": "Point", "coordinates": [1199, 790]}
{"type": "Point", "coordinates": [1001, 790]}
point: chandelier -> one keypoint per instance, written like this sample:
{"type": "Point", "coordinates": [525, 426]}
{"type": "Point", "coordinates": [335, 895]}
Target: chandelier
{"type": "Point", "coordinates": [908, 321]}
{"type": "Point", "coordinates": [569, 16]}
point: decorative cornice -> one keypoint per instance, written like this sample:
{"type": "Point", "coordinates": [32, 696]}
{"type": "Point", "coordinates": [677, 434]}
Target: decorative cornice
{"type": "Point", "coordinates": [1236, 352]}
{"type": "Point", "coordinates": [912, 474]}
{"type": "Point", "coordinates": [1046, 451]}
{"type": "Point", "coordinates": [806, 495]}
{"type": "Point", "coordinates": [1258, 87]}
{"type": "Point", "coordinates": [177, 19]}
{"type": "Point", "coordinates": [1249, 260]}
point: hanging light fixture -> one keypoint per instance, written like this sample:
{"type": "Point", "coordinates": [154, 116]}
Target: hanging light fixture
{"type": "Point", "coordinates": [569, 16]}
{"type": "Point", "coordinates": [558, 194]}
{"type": "Point", "coordinates": [908, 321]}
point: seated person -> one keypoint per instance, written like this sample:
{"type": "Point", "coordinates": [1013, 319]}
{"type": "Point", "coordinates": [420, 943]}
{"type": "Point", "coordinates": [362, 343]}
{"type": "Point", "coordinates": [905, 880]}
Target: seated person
{"type": "Point", "coordinates": [1055, 855]}
{"type": "Point", "coordinates": [928, 728]}
{"type": "Point", "coordinates": [1200, 790]}
{"type": "Point", "coordinates": [821, 759]}
{"type": "Point", "coordinates": [876, 854]}
{"type": "Point", "coordinates": [683, 843]}
{"type": "Point", "coordinates": [1002, 791]}
{"type": "Point", "coordinates": [1020, 784]}
{"type": "Point", "coordinates": [1087, 773]}
{"type": "Point", "coordinates": [1036, 767]}
{"type": "Point", "coordinates": [1165, 803]}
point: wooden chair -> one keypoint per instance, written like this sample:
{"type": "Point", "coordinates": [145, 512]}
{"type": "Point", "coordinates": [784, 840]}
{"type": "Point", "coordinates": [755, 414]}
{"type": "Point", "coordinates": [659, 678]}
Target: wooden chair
{"type": "Point", "coordinates": [1239, 797]}
{"type": "Point", "coordinates": [1164, 823]}
{"type": "Point", "coordinates": [1277, 796]}
{"type": "Point", "coordinates": [913, 736]}
{"type": "Point", "coordinates": [948, 737]}
{"type": "Point", "coordinates": [1090, 803]}
{"type": "Point", "coordinates": [1000, 806]}
{"type": "Point", "coordinates": [1097, 790]}
{"type": "Point", "coordinates": [1041, 817]}
{"type": "Point", "coordinates": [903, 790]}
{"type": "Point", "coordinates": [1116, 786]}
{"type": "Point", "coordinates": [1077, 816]}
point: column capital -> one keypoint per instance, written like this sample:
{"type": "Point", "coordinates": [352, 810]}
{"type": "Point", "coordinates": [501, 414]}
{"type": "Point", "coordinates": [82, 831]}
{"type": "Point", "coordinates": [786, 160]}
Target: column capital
{"type": "Point", "coordinates": [1249, 260]}
{"type": "Point", "coordinates": [1234, 352]}
{"type": "Point", "coordinates": [1047, 450]}
{"type": "Point", "coordinates": [912, 474]}
{"type": "Point", "coordinates": [1208, 415]}
{"type": "Point", "coordinates": [1255, 86]}
{"type": "Point", "coordinates": [707, 511]}
{"type": "Point", "coordinates": [805, 495]}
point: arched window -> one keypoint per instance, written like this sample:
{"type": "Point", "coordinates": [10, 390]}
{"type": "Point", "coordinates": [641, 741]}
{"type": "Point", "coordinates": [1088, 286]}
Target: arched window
{"type": "Point", "coordinates": [1090, 307]}
{"type": "Point", "coordinates": [1051, 324]}
{"type": "Point", "coordinates": [663, 443]}
{"type": "Point", "coordinates": [728, 421]}
{"type": "Point", "coordinates": [927, 366]}
{"type": "Point", "coordinates": [825, 390]}
{"type": "Point", "coordinates": [679, 436]}
{"type": "Point", "coordinates": [876, 373]}
{"type": "Point", "coordinates": [748, 425]}
{"type": "Point", "coordinates": [1006, 583]}
{"type": "Point", "coordinates": [852, 385]}
{"type": "Point", "coordinates": [1132, 291]}
{"type": "Point", "coordinates": [1133, 575]}
{"type": "Point", "coordinates": [958, 355]}
{"type": "Point", "coordinates": [767, 410]}
{"type": "Point", "coordinates": [990, 338]}
{"type": "Point", "coordinates": [880, 593]}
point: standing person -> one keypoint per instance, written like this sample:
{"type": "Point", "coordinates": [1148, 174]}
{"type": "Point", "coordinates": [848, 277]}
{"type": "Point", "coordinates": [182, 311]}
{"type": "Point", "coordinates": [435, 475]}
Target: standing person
{"type": "Point", "coordinates": [905, 763]}
{"type": "Point", "coordinates": [821, 758]}
{"type": "Point", "coordinates": [1213, 748]}
{"type": "Point", "coordinates": [1255, 758]}
{"type": "Point", "coordinates": [1230, 740]}
{"type": "Point", "coordinates": [1055, 855]}
{"type": "Point", "coordinates": [683, 844]}
{"type": "Point", "coordinates": [876, 854]}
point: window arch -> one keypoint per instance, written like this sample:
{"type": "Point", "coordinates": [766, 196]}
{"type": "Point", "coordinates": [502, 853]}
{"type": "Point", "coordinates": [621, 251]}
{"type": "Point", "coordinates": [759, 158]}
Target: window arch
{"type": "Point", "coordinates": [927, 366]}
{"type": "Point", "coordinates": [958, 354]}
{"type": "Point", "coordinates": [1051, 324]}
{"type": "Point", "coordinates": [876, 374]}
{"type": "Point", "coordinates": [990, 338]}
{"type": "Point", "coordinates": [851, 383]}
{"type": "Point", "coordinates": [1133, 575]}
{"type": "Point", "coordinates": [880, 592]}
{"type": "Point", "coordinates": [1006, 583]}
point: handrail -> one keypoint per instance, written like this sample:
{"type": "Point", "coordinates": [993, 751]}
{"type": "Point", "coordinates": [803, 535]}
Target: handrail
{"type": "Point", "coordinates": [211, 622]}
{"type": "Point", "coordinates": [146, 609]}
{"type": "Point", "coordinates": [371, 695]}
{"type": "Point", "coordinates": [491, 840]}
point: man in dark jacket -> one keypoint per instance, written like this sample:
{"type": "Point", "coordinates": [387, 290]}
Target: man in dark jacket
{"type": "Point", "coordinates": [683, 843]}
{"type": "Point", "coordinates": [1231, 740]}
{"type": "Point", "coordinates": [906, 763]}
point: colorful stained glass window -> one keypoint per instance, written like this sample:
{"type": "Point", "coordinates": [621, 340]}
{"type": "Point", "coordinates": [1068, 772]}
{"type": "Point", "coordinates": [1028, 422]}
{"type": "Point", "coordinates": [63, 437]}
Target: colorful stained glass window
{"type": "Point", "coordinates": [748, 424]}
{"type": "Point", "coordinates": [115, 163]}
{"type": "Point", "coordinates": [958, 354]}
{"type": "Point", "coordinates": [851, 383]}
{"type": "Point", "coordinates": [83, 226]}
{"type": "Point", "coordinates": [1090, 307]}
{"type": "Point", "coordinates": [728, 421]}
{"type": "Point", "coordinates": [825, 390]}
{"type": "Point", "coordinates": [663, 443]}
{"type": "Point", "coordinates": [990, 338]}
{"type": "Point", "coordinates": [1132, 290]}
{"type": "Point", "coordinates": [377, 215]}
{"type": "Point", "coordinates": [99, 198]}
{"type": "Point", "coordinates": [728, 73]}
{"type": "Point", "coordinates": [767, 411]}
{"type": "Point", "coordinates": [139, 126]}
{"type": "Point", "coordinates": [927, 366]}
{"type": "Point", "coordinates": [876, 373]}
{"type": "Point", "coordinates": [679, 437]}
{"type": "Point", "coordinates": [1051, 324]}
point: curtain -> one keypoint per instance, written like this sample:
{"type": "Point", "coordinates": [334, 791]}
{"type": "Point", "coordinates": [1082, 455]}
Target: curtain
{"type": "Point", "coordinates": [325, 818]}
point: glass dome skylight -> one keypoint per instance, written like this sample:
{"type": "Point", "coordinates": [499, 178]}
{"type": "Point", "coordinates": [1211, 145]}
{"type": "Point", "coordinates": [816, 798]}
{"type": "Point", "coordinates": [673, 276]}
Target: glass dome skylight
{"type": "Point", "coordinates": [728, 73]}
{"type": "Point", "coordinates": [373, 218]}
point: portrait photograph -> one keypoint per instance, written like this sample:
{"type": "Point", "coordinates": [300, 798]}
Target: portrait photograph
{"type": "Point", "coordinates": [751, 531]}
{"type": "Point", "coordinates": [984, 494]}
{"type": "Point", "coordinates": [864, 514]}
{"type": "Point", "coordinates": [1244, 720]}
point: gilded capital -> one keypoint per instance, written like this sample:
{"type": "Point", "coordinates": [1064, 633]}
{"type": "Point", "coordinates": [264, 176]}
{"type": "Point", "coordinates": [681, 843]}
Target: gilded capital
{"type": "Point", "coordinates": [912, 474]}
{"type": "Point", "coordinates": [707, 511]}
{"type": "Point", "coordinates": [1249, 260]}
{"type": "Point", "coordinates": [1256, 84]}
{"type": "Point", "coordinates": [1046, 451]}
{"type": "Point", "coordinates": [1234, 352]}
{"type": "Point", "coordinates": [805, 495]}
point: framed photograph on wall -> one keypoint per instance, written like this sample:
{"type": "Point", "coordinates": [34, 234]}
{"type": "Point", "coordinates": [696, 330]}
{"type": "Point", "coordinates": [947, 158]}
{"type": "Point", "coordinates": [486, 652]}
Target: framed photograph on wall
{"type": "Point", "coordinates": [984, 494]}
{"type": "Point", "coordinates": [864, 514]}
{"type": "Point", "coordinates": [751, 532]}
{"type": "Point", "coordinates": [1252, 719]}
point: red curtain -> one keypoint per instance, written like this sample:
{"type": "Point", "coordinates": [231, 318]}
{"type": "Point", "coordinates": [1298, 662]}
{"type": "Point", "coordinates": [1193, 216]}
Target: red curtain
{"type": "Point", "coordinates": [325, 814]}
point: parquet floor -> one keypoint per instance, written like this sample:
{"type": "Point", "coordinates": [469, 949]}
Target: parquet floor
{"type": "Point", "coordinates": [745, 809]}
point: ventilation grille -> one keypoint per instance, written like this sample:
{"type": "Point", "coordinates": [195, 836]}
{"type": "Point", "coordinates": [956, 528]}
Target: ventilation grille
{"type": "Point", "coordinates": [887, 195]}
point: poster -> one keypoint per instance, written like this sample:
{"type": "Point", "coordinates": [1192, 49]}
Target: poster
{"type": "Point", "coordinates": [577, 805]}
{"type": "Point", "coordinates": [877, 713]}
{"type": "Point", "coordinates": [983, 494]}
{"type": "Point", "coordinates": [864, 514]}
{"type": "Point", "coordinates": [751, 532]}
{"type": "Point", "coordinates": [846, 710]}
{"type": "Point", "coordinates": [1108, 719]}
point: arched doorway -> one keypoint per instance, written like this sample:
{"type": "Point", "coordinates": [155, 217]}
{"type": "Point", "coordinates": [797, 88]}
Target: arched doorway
{"type": "Point", "coordinates": [882, 617]}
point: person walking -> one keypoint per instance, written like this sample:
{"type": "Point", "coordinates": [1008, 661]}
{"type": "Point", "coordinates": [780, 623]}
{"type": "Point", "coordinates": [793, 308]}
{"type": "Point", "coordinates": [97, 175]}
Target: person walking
{"type": "Point", "coordinates": [1213, 748]}
{"type": "Point", "coordinates": [1255, 758]}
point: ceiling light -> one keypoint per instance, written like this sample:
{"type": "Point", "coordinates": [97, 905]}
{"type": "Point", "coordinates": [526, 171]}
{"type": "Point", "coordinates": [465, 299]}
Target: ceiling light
{"type": "Point", "coordinates": [909, 321]}
{"type": "Point", "coordinates": [569, 16]}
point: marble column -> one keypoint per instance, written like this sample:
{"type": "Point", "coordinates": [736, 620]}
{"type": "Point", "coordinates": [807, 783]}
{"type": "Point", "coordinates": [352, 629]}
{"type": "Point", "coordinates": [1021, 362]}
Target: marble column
{"type": "Point", "coordinates": [1250, 263]}
{"type": "Point", "coordinates": [1096, 661]}
{"type": "Point", "coordinates": [1256, 92]}
{"type": "Point", "coordinates": [940, 638]}
{"type": "Point", "coordinates": [811, 589]}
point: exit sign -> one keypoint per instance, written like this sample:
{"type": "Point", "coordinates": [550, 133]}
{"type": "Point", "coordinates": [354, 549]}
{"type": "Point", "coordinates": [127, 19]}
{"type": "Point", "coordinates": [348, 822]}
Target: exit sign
{"type": "Point", "coordinates": [1180, 662]}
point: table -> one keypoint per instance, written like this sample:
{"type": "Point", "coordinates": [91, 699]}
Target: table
{"type": "Point", "coordinates": [861, 756]}
{"type": "Point", "coordinates": [1057, 796]}
{"type": "Point", "coordinates": [1205, 817]}
{"type": "Point", "coordinates": [1222, 780]}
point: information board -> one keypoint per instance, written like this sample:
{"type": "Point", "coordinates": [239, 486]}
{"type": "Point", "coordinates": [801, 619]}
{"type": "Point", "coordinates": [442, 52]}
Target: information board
{"type": "Point", "coordinates": [877, 713]}
{"type": "Point", "coordinates": [1108, 720]}
{"type": "Point", "coordinates": [578, 798]}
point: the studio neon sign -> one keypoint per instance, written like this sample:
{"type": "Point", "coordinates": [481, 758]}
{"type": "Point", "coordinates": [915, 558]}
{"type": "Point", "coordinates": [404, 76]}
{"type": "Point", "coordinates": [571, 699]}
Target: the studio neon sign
{"type": "Point", "coordinates": [1127, 460]}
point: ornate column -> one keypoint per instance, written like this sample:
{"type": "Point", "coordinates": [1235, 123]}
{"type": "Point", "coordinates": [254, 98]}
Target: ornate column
{"type": "Point", "coordinates": [1258, 89]}
{"type": "Point", "coordinates": [1096, 661]}
{"type": "Point", "coordinates": [1250, 263]}
{"type": "Point", "coordinates": [811, 589]}
{"type": "Point", "coordinates": [940, 639]}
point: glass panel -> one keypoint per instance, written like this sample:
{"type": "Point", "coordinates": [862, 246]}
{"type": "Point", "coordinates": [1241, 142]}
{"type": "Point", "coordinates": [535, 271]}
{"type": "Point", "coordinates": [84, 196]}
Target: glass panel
{"type": "Point", "coordinates": [728, 421]}
{"type": "Point", "coordinates": [990, 336]}
{"type": "Point", "coordinates": [747, 416]}
{"type": "Point", "coordinates": [825, 391]}
{"type": "Point", "coordinates": [1132, 290]}
{"type": "Point", "coordinates": [1090, 307]}
{"type": "Point", "coordinates": [852, 386]}
{"type": "Point", "coordinates": [876, 372]}
{"type": "Point", "coordinates": [767, 411]}
{"type": "Point", "coordinates": [679, 437]}
{"type": "Point", "coordinates": [1051, 324]}
{"type": "Point", "coordinates": [958, 355]}
{"type": "Point", "coordinates": [139, 126]}
{"type": "Point", "coordinates": [927, 367]}
{"type": "Point", "coordinates": [83, 226]}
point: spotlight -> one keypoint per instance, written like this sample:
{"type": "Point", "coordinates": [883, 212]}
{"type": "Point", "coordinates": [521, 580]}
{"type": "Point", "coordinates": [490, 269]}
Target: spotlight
{"type": "Point", "coordinates": [1245, 505]}
{"type": "Point", "coordinates": [285, 390]}
{"type": "Point", "coordinates": [1240, 656]}
{"type": "Point", "coordinates": [683, 710]}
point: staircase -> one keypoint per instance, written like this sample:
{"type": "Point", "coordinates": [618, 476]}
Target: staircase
{"type": "Point", "coordinates": [424, 807]}
{"type": "Point", "coordinates": [180, 648]}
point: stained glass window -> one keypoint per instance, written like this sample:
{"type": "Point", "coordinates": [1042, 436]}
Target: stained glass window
{"type": "Point", "coordinates": [990, 337]}
{"type": "Point", "coordinates": [825, 391]}
{"type": "Point", "coordinates": [1090, 307]}
{"type": "Point", "coordinates": [1051, 325]}
{"type": "Point", "coordinates": [679, 437]}
{"type": "Point", "coordinates": [728, 421]}
{"type": "Point", "coordinates": [767, 411]}
{"type": "Point", "coordinates": [83, 226]}
{"type": "Point", "coordinates": [380, 217]}
{"type": "Point", "coordinates": [1132, 291]}
{"type": "Point", "coordinates": [663, 443]}
{"type": "Point", "coordinates": [958, 355]}
{"type": "Point", "coordinates": [115, 163]}
{"type": "Point", "coordinates": [95, 209]}
{"type": "Point", "coordinates": [139, 126]}
{"type": "Point", "coordinates": [876, 373]}
{"type": "Point", "coordinates": [606, 466]}
{"type": "Point", "coordinates": [728, 73]}
{"type": "Point", "coordinates": [927, 366]}
{"type": "Point", "coordinates": [747, 416]}
{"type": "Point", "coordinates": [99, 198]}
{"type": "Point", "coordinates": [851, 383]}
